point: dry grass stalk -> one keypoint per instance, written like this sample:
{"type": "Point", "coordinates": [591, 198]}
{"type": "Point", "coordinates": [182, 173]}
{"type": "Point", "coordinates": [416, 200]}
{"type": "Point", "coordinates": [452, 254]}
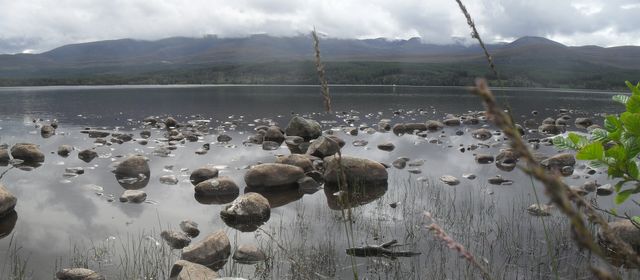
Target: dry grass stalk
{"type": "Point", "coordinates": [558, 192]}
{"type": "Point", "coordinates": [476, 35]}
{"type": "Point", "coordinates": [441, 234]}
{"type": "Point", "coordinates": [321, 75]}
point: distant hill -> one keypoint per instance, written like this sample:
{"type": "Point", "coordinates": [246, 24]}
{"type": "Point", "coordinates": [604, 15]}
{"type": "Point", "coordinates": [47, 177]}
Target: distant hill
{"type": "Point", "coordinates": [528, 61]}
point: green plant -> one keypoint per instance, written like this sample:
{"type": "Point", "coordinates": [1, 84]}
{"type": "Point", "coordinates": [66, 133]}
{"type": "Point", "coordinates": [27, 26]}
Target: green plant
{"type": "Point", "coordinates": [615, 147]}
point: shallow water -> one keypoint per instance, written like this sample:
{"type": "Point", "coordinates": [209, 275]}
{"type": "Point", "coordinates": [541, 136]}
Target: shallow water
{"type": "Point", "coordinates": [57, 213]}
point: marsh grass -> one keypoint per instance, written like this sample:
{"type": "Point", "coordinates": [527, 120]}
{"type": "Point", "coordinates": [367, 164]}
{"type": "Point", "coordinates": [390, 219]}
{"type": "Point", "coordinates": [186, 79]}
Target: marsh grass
{"type": "Point", "coordinates": [15, 266]}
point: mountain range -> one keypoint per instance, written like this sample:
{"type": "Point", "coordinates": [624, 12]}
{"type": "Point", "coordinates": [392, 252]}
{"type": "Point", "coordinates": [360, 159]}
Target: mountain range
{"type": "Point", "coordinates": [527, 61]}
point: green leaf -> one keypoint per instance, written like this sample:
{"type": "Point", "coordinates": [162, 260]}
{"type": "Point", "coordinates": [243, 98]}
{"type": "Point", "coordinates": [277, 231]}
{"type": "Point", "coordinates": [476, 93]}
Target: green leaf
{"type": "Point", "coordinates": [621, 98]}
{"type": "Point", "coordinates": [599, 134]}
{"type": "Point", "coordinates": [597, 164]}
{"type": "Point", "coordinates": [632, 169]}
{"type": "Point", "coordinates": [612, 123]}
{"type": "Point", "coordinates": [578, 140]}
{"type": "Point", "coordinates": [618, 185]}
{"type": "Point", "coordinates": [564, 143]}
{"type": "Point", "coordinates": [614, 211]}
{"type": "Point", "coordinates": [593, 151]}
{"type": "Point", "coordinates": [636, 219]}
{"type": "Point", "coordinates": [615, 172]}
{"type": "Point", "coordinates": [622, 196]}
{"type": "Point", "coordinates": [631, 122]}
{"type": "Point", "coordinates": [631, 145]}
{"type": "Point", "coordinates": [633, 104]}
{"type": "Point", "coordinates": [617, 152]}
{"type": "Point", "coordinates": [634, 89]}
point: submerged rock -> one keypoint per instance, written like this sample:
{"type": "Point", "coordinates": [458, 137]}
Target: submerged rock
{"type": "Point", "coordinates": [29, 153]}
{"type": "Point", "coordinates": [386, 146]}
{"type": "Point", "coordinates": [605, 190]}
{"type": "Point", "coordinates": [185, 270]}
{"type": "Point", "coordinates": [78, 274]}
{"type": "Point", "coordinates": [248, 254]}
{"type": "Point", "coordinates": [484, 158]}
{"type": "Point", "coordinates": [211, 252]}
{"type": "Point", "coordinates": [269, 175]}
{"type": "Point", "coordinates": [481, 134]}
{"type": "Point", "coordinates": [202, 174]}
{"type": "Point", "coordinates": [247, 212]}
{"type": "Point", "coordinates": [223, 138]}
{"type": "Point", "coordinates": [169, 179]}
{"type": "Point", "coordinates": [175, 239]}
{"type": "Point", "coordinates": [400, 163]}
{"type": "Point", "coordinates": [190, 228]}
{"type": "Point", "coordinates": [4, 157]}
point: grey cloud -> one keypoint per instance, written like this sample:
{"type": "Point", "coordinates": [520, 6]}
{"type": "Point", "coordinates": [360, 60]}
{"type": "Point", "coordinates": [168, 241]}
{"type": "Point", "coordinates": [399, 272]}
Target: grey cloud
{"type": "Point", "coordinates": [43, 24]}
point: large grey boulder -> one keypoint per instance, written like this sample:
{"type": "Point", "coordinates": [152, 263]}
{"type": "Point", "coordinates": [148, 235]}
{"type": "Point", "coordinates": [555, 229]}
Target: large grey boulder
{"type": "Point", "coordinates": [175, 239]}
{"type": "Point", "coordinates": [274, 134]}
{"type": "Point", "coordinates": [268, 175]}
{"type": "Point", "coordinates": [87, 155]}
{"type": "Point", "coordinates": [217, 190]}
{"type": "Point", "coordinates": [247, 212]}
{"type": "Point", "coordinates": [212, 251]}
{"type": "Point", "coordinates": [305, 128]}
{"type": "Point", "coordinates": [185, 270]}
{"type": "Point", "coordinates": [78, 274]}
{"type": "Point", "coordinates": [7, 201]}
{"type": "Point", "coordinates": [356, 170]}
{"type": "Point", "coordinates": [248, 254]}
{"type": "Point", "coordinates": [27, 152]}
{"type": "Point", "coordinates": [626, 231]}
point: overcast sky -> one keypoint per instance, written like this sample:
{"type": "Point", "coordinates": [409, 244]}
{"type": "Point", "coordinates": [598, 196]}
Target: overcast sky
{"type": "Point", "coordinates": [39, 25]}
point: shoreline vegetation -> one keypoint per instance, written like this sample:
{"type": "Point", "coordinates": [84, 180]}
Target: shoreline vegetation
{"type": "Point", "coordinates": [354, 73]}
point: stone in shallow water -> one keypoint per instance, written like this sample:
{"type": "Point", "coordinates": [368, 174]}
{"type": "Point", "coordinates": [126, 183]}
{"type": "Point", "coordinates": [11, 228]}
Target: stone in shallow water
{"type": "Point", "coordinates": [360, 143]}
{"type": "Point", "coordinates": [190, 228]}
{"type": "Point", "coordinates": [604, 190]}
{"type": "Point", "coordinates": [270, 145]}
{"type": "Point", "coordinates": [247, 212]}
{"type": "Point", "coordinates": [78, 274]}
{"type": "Point", "coordinates": [202, 174]}
{"type": "Point", "coordinates": [469, 176]}
{"type": "Point", "coordinates": [400, 163]}
{"type": "Point", "coordinates": [248, 254]}
{"type": "Point", "coordinates": [539, 210]}
{"type": "Point", "coordinates": [29, 153]}
{"type": "Point", "coordinates": [64, 150]}
{"type": "Point", "coordinates": [497, 180]}
{"type": "Point", "coordinates": [386, 146]}
{"type": "Point", "coordinates": [7, 200]}
{"type": "Point", "coordinates": [169, 179]}
{"type": "Point", "coordinates": [211, 252]}
{"type": "Point", "coordinates": [185, 270]}
{"type": "Point", "coordinates": [134, 196]}
{"type": "Point", "coordinates": [175, 239]}
{"type": "Point", "coordinates": [449, 180]}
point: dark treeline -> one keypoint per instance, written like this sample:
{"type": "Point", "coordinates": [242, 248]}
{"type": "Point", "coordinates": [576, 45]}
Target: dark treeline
{"type": "Point", "coordinates": [583, 76]}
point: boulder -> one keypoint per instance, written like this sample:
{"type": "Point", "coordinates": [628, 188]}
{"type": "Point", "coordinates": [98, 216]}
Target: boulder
{"type": "Point", "coordinates": [223, 189]}
{"type": "Point", "coordinates": [306, 128]}
{"type": "Point", "coordinates": [356, 170]}
{"type": "Point", "coordinates": [47, 131]}
{"type": "Point", "coordinates": [170, 122]}
{"type": "Point", "coordinates": [175, 239]}
{"type": "Point", "coordinates": [4, 157]}
{"type": "Point", "coordinates": [400, 163]}
{"type": "Point", "coordinates": [247, 212]}
{"type": "Point", "coordinates": [27, 152]}
{"type": "Point", "coordinates": [550, 129]}
{"type": "Point", "coordinates": [323, 147]}
{"type": "Point", "coordinates": [185, 270]}
{"type": "Point", "coordinates": [624, 230]}
{"type": "Point", "coordinates": [452, 122]}
{"type": "Point", "coordinates": [169, 179]}
{"type": "Point", "coordinates": [484, 158]}
{"type": "Point", "coordinates": [202, 174]}
{"type": "Point", "coordinates": [449, 180]}
{"type": "Point", "coordinates": [297, 160]}
{"type": "Point", "coordinates": [190, 228]}
{"type": "Point", "coordinates": [78, 274]}
{"type": "Point", "coordinates": [274, 134]}
{"type": "Point", "coordinates": [133, 167]}
{"type": "Point", "coordinates": [506, 160]}
{"type": "Point", "coordinates": [7, 200]}
{"type": "Point", "coordinates": [270, 145]}
{"type": "Point", "coordinates": [134, 196]}
{"type": "Point", "coordinates": [224, 138]}
{"type": "Point", "coordinates": [248, 254]}
{"type": "Point", "coordinates": [87, 155]}
{"type": "Point", "coordinates": [211, 252]}
{"type": "Point", "coordinates": [583, 122]}
{"type": "Point", "coordinates": [64, 150]}
{"type": "Point", "coordinates": [270, 175]}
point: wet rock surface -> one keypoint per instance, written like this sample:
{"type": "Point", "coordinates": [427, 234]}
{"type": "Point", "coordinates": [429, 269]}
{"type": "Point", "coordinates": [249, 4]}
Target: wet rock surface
{"type": "Point", "coordinates": [273, 175]}
{"type": "Point", "coordinates": [247, 212]}
{"type": "Point", "coordinates": [185, 270]}
{"type": "Point", "coordinates": [27, 152]}
{"type": "Point", "coordinates": [212, 251]}
{"type": "Point", "coordinates": [202, 174]}
{"type": "Point", "coordinates": [78, 274]}
{"type": "Point", "coordinates": [248, 254]}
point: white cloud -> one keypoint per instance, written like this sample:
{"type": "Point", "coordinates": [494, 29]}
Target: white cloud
{"type": "Point", "coordinates": [44, 24]}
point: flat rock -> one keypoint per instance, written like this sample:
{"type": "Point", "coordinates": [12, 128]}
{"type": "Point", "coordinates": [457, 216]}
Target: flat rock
{"type": "Point", "coordinates": [190, 228]}
{"type": "Point", "coordinates": [248, 254]}
{"type": "Point", "coordinates": [134, 196]}
{"type": "Point", "coordinates": [78, 274]}
{"type": "Point", "coordinates": [247, 212]}
{"type": "Point", "coordinates": [449, 180]}
{"type": "Point", "coordinates": [270, 175]}
{"type": "Point", "coordinates": [202, 174]}
{"type": "Point", "coordinates": [185, 270]}
{"type": "Point", "coordinates": [27, 152]}
{"type": "Point", "coordinates": [87, 155]}
{"type": "Point", "coordinates": [175, 239]}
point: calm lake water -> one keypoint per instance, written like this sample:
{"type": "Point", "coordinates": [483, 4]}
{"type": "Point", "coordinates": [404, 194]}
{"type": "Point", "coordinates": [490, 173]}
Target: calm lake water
{"type": "Point", "coordinates": [57, 214]}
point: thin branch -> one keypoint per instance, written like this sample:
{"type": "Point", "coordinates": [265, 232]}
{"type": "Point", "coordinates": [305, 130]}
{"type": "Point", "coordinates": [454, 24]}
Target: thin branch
{"type": "Point", "coordinates": [321, 75]}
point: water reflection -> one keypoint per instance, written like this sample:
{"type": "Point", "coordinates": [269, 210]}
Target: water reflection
{"type": "Point", "coordinates": [280, 196]}
{"type": "Point", "coordinates": [133, 183]}
{"type": "Point", "coordinates": [7, 223]}
{"type": "Point", "coordinates": [355, 196]}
